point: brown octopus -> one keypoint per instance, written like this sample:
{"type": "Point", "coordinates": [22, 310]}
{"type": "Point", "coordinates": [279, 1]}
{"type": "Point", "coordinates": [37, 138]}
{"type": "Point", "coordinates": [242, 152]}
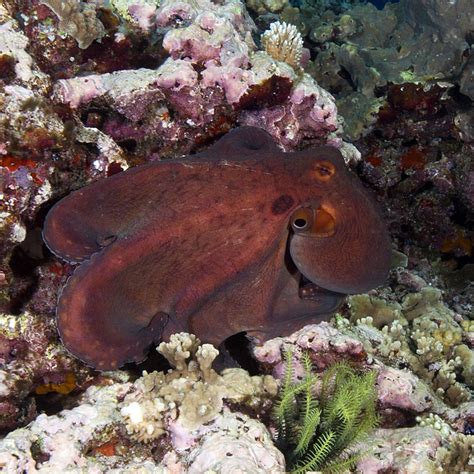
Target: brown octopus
{"type": "Point", "coordinates": [241, 237]}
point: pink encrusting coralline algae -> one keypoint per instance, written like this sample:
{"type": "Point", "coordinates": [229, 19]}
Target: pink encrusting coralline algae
{"type": "Point", "coordinates": [214, 78]}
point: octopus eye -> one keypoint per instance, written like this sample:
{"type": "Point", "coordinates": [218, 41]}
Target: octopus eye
{"type": "Point", "coordinates": [324, 170]}
{"type": "Point", "coordinates": [302, 219]}
{"type": "Point", "coordinates": [320, 222]}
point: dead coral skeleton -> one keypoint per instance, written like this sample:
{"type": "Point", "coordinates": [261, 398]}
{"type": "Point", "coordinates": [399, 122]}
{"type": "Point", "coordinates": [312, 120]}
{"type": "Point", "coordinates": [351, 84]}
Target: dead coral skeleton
{"type": "Point", "coordinates": [283, 42]}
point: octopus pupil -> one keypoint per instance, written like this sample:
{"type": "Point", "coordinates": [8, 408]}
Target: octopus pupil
{"type": "Point", "coordinates": [300, 223]}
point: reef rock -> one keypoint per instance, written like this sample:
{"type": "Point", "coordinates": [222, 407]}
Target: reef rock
{"type": "Point", "coordinates": [117, 427]}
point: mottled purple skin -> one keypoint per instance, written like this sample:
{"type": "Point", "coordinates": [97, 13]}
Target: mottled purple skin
{"type": "Point", "coordinates": [212, 244]}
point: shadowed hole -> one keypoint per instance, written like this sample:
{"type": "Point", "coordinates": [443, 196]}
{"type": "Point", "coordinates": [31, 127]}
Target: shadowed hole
{"type": "Point", "coordinates": [129, 144]}
{"type": "Point", "coordinates": [154, 361]}
{"type": "Point", "coordinates": [24, 259]}
{"type": "Point", "coordinates": [237, 350]}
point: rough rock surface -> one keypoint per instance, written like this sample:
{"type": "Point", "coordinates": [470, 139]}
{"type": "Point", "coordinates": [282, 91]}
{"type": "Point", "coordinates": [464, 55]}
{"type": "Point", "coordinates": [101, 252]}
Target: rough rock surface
{"type": "Point", "coordinates": [117, 427]}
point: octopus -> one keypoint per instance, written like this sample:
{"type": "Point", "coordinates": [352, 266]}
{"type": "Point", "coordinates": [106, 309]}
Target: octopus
{"type": "Point", "coordinates": [241, 237]}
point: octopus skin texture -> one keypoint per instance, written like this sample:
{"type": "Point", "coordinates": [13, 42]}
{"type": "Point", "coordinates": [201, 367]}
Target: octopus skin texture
{"type": "Point", "coordinates": [240, 237]}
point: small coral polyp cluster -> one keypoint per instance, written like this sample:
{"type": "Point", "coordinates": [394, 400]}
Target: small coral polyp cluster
{"type": "Point", "coordinates": [192, 393]}
{"type": "Point", "coordinates": [421, 333]}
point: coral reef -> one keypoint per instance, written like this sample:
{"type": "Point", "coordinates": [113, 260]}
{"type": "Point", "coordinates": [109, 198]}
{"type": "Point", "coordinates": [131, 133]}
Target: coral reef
{"type": "Point", "coordinates": [179, 109]}
{"type": "Point", "coordinates": [425, 179]}
{"type": "Point", "coordinates": [90, 88]}
{"type": "Point", "coordinates": [161, 411]}
{"type": "Point", "coordinates": [188, 406]}
{"type": "Point", "coordinates": [393, 45]}
{"type": "Point", "coordinates": [421, 333]}
{"type": "Point", "coordinates": [359, 50]}
{"type": "Point", "coordinates": [191, 395]}
{"type": "Point", "coordinates": [33, 363]}
{"type": "Point", "coordinates": [422, 353]}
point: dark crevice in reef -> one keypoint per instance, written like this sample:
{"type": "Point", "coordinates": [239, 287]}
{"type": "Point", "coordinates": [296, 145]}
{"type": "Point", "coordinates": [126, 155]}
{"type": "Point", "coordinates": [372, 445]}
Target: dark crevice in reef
{"type": "Point", "coordinates": [461, 215]}
{"type": "Point", "coordinates": [128, 144]}
{"type": "Point", "coordinates": [24, 259]}
{"type": "Point", "coordinates": [154, 361]}
{"type": "Point", "coordinates": [23, 263]}
{"type": "Point", "coordinates": [50, 403]}
{"type": "Point", "coordinates": [238, 348]}
{"type": "Point", "coordinates": [346, 75]}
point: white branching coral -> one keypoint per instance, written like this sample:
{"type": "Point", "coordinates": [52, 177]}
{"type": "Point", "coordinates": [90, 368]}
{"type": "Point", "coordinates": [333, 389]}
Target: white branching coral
{"type": "Point", "coordinates": [182, 346]}
{"type": "Point", "coordinates": [205, 356]}
{"type": "Point", "coordinates": [368, 321]}
{"type": "Point", "coordinates": [283, 42]}
{"type": "Point", "coordinates": [392, 345]}
{"type": "Point", "coordinates": [444, 381]}
{"type": "Point", "coordinates": [427, 345]}
{"type": "Point", "coordinates": [192, 393]}
{"type": "Point", "coordinates": [144, 419]}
